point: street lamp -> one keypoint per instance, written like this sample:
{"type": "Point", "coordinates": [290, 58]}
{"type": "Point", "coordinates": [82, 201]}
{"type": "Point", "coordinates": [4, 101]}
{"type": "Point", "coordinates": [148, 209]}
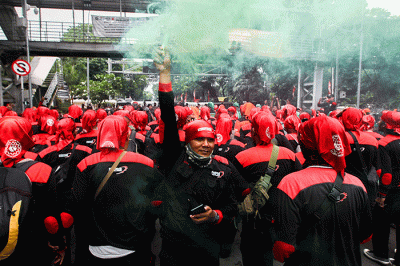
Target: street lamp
{"type": "Point", "coordinates": [25, 9]}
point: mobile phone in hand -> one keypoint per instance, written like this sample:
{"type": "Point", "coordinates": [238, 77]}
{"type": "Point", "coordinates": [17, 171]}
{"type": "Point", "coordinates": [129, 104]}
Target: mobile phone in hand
{"type": "Point", "coordinates": [197, 210]}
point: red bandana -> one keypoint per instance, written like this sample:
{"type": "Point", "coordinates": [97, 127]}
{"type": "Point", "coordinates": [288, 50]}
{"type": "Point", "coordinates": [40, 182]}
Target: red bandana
{"type": "Point", "coordinates": [352, 119]}
{"type": "Point", "coordinates": [265, 126]}
{"type": "Point", "coordinates": [327, 135]}
{"type": "Point", "coordinates": [65, 130]}
{"type": "Point", "coordinates": [101, 114]}
{"type": "Point", "coordinates": [292, 122]}
{"type": "Point", "coordinates": [113, 131]}
{"type": "Point", "coordinates": [89, 120]}
{"type": "Point", "coordinates": [48, 124]}
{"type": "Point", "coordinates": [30, 115]}
{"type": "Point", "coordinates": [15, 139]}
{"type": "Point", "coordinates": [392, 120]}
{"type": "Point", "coordinates": [75, 111]}
{"type": "Point", "coordinates": [368, 122]}
{"type": "Point", "coordinates": [223, 130]}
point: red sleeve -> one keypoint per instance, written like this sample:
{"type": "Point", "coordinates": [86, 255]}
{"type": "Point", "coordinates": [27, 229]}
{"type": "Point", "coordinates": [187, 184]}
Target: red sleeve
{"type": "Point", "coordinates": [282, 250]}
{"type": "Point", "coordinates": [165, 87]}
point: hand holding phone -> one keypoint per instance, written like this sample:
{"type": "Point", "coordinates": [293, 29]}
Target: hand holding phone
{"type": "Point", "coordinates": [197, 210]}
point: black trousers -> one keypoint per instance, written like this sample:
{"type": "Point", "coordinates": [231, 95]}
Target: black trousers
{"type": "Point", "coordinates": [256, 243]}
{"type": "Point", "coordinates": [136, 258]}
{"type": "Point", "coordinates": [382, 218]}
{"type": "Point", "coordinates": [177, 253]}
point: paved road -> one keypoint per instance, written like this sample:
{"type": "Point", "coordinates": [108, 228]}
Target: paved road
{"type": "Point", "coordinates": [236, 258]}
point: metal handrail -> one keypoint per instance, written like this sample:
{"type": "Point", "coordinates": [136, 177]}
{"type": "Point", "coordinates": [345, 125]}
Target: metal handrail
{"type": "Point", "coordinates": [51, 31]}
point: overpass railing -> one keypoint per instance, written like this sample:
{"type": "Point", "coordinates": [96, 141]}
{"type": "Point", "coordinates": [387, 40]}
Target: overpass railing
{"type": "Point", "coordinates": [50, 31]}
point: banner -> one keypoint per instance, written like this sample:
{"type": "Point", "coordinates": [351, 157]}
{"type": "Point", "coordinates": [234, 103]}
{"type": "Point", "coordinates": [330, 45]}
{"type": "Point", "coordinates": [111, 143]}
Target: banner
{"type": "Point", "coordinates": [115, 27]}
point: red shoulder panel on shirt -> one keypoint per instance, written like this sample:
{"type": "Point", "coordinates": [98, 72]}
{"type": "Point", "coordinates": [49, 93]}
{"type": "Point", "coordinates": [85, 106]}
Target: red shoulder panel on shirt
{"type": "Point", "coordinates": [140, 137]}
{"type": "Point", "coordinates": [237, 143]}
{"type": "Point", "coordinates": [130, 157]}
{"type": "Point", "coordinates": [387, 139]}
{"type": "Point", "coordinates": [39, 172]}
{"type": "Point", "coordinates": [84, 148]}
{"type": "Point", "coordinates": [46, 151]}
{"type": "Point", "coordinates": [221, 159]}
{"type": "Point", "coordinates": [294, 183]}
{"type": "Point", "coordinates": [30, 155]}
{"type": "Point", "coordinates": [246, 126]}
{"type": "Point", "coordinates": [262, 153]}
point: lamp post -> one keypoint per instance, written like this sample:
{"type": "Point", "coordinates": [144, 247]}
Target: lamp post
{"type": "Point", "coordinates": [360, 62]}
{"type": "Point", "coordinates": [25, 8]}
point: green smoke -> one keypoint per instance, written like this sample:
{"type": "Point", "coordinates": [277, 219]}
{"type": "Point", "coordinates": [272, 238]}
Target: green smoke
{"type": "Point", "coordinates": [200, 32]}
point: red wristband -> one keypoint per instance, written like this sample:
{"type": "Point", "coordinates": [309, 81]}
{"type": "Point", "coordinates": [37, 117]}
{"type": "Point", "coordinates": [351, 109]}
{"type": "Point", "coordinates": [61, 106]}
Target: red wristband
{"type": "Point", "coordinates": [165, 87]}
{"type": "Point", "coordinates": [220, 216]}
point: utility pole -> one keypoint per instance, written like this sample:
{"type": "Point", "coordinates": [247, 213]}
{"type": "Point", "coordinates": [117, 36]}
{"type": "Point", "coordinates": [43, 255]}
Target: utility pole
{"type": "Point", "coordinates": [360, 63]}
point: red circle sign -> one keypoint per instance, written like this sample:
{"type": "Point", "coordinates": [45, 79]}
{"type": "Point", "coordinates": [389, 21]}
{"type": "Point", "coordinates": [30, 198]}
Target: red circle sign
{"type": "Point", "coordinates": [21, 67]}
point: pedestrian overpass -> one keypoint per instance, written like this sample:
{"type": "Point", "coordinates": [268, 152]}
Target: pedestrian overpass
{"type": "Point", "coordinates": [20, 37]}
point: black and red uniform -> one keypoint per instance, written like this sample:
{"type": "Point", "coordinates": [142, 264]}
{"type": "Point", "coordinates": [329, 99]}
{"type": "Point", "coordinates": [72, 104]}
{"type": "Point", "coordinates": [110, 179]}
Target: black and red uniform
{"type": "Point", "coordinates": [59, 153]}
{"type": "Point", "coordinates": [217, 184]}
{"type": "Point", "coordinates": [47, 213]}
{"type": "Point", "coordinates": [389, 187]}
{"type": "Point", "coordinates": [369, 153]}
{"type": "Point", "coordinates": [374, 134]}
{"type": "Point", "coordinates": [252, 164]}
{"type": "Point", "coordinates": [335, 238]}
{"type": "Point", "coordinates": [230, 149]}
{"type": "Point", "coordinates": [88, 139]}
{"type": "Point", "coordinates": [351, 119]}
{"type": "Point", "coordinates": [120, 216]}
{"type": "Point", "coordinates": [45, 220]}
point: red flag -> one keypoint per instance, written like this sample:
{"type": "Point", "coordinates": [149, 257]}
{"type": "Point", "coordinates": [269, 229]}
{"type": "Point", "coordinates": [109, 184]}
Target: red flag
{"type": "Point", "coordinates": [208, 96]}
{"type": "Point", "coordinates": [194, 95]}
{"type": "Point", "coordinates": [294, 89]}
{"type": "Point", "coordinates": [182, 97]}
{"type": "Point", "coordinates": [329, 88]}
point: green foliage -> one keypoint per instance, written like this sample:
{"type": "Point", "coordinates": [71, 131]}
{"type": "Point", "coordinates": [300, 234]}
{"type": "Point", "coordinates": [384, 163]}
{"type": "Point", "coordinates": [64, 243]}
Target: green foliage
{"type": "Point", "coordinates": [102, 85]}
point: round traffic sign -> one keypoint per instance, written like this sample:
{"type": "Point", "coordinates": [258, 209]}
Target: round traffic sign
{"type": "Point", "coordinates": [21, 67]}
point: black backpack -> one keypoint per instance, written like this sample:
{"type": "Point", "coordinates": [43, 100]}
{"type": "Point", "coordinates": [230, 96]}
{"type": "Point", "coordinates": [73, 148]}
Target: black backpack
{"type": "Point", "coordinates": [15, 197]}
{"type": "Point", "coordinates": [64, 183]}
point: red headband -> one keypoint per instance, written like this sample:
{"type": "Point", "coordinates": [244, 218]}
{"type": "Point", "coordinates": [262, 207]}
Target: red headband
{"type": "Point", "coordinates": [198, 129]}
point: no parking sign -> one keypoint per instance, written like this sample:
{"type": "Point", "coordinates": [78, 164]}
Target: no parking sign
{"type": "Point", "coordinates": [21, 67]}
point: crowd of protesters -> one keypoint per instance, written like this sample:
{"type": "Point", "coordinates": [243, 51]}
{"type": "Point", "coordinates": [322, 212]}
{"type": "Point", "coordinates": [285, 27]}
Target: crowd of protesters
{"type": "Point", "coordinates": [308, 186]}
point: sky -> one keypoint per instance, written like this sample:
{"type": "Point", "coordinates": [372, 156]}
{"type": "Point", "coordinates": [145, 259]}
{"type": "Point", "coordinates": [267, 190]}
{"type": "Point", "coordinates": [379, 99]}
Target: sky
{"type": "Point", "coordinates": [393, 6]}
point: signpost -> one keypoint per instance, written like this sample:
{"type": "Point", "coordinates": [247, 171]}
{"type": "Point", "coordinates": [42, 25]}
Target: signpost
{"type": "Point", "coordinates": [21, 68]}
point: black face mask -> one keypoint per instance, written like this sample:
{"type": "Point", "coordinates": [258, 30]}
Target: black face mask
{"type": "Point", "coordinates": [197, 159]}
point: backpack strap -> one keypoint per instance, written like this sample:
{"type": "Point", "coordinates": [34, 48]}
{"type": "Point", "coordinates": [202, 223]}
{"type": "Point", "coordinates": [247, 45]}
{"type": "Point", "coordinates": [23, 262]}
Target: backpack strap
{"type": "Point", "coordinates": [264, 183]}
{"type": "Point", "coordinates": [72, 152]}
{"type": "Point", "coordinates": [109, 174]}
{"type": "Point", "coordinates": [332, 197]}
{"type": "Point", "coordinates": [358, 149]}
